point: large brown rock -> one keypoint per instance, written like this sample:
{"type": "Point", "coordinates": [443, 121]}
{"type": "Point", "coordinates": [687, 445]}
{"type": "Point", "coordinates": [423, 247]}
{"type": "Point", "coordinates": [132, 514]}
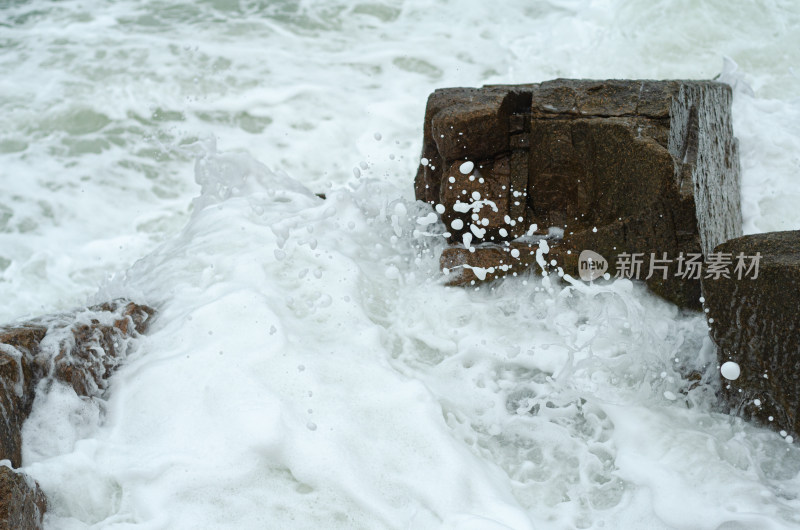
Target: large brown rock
{"type": "Point", "coordinates": [755, 323]}
{"type": "Point", "coordinates": [646, 167]}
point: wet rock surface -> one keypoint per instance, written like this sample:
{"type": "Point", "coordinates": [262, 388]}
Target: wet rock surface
{"type": "Point", "coordinates": [22, 503]}
{"type": "Point", "coordinates": [17, 349]}
{"type": "Point", "coordinates": [81, 350]}
{"type": "Point", "coordinates": [755, 324]}
{"type": "Point", "coordinates": [487, 262]}
{"type": "Point", "coordinates": [646, 167]}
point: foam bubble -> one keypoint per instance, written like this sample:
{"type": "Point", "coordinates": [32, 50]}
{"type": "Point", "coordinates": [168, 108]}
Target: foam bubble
{"type": "Point", "coordinates": [730, 370]}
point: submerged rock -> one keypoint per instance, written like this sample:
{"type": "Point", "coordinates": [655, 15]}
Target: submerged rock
{"type": "Point", "coordinates": [754, 321]}
{"type": "Point", "coordinates": [18, 378]}
{"type": "Point", "coordinates": [22, 503]}
{"type": "Point", "coordinates": [645, 168]}
{"type": "Point", "coordinates": [80, 349]}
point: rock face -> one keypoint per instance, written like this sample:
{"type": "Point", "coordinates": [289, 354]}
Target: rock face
{"type": "Point", "coordinates": [637, 167]}
{"type": "Point", "coordinates": [18, 383]}
{"type": "Point", "coordinates": [22, 503]}
{"type": "Point", "coordinates": [756, 325]}
{"type": "Point", "coordinates": [81, 350]}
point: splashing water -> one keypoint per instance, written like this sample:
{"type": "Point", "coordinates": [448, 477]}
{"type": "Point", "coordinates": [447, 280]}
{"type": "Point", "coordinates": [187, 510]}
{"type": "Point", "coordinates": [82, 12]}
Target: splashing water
{"type": "Point", "coordinates": [301, 378]}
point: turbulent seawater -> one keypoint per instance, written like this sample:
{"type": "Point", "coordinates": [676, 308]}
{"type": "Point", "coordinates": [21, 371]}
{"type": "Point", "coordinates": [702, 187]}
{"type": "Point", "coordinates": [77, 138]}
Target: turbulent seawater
{"type": "Point", "coordinates": [307, 367]}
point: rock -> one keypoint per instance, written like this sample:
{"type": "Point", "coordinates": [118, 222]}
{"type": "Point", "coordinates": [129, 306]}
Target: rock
{"type": "Point", "coordinates": [478, 125]}
{"type": "Point", "coordinates": [94, 344]}
{"type": "Point", "coordinates": [646, 167]}
{"type": "Point", "coordinates": [81, 350]}
{"type": "Point", "coordinates": [17, 383]}
{"type": "Point", "coordinates": [754, 322]}
{"type": "Point", "coordinates": [22, 503]}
